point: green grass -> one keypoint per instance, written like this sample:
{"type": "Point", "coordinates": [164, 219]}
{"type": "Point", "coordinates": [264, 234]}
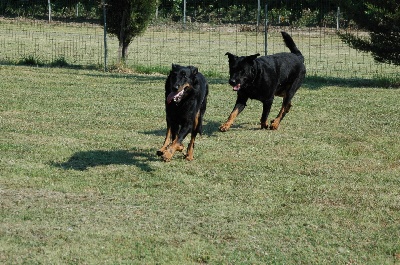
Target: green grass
{"type": "Point", "coordinates": [80, 182]}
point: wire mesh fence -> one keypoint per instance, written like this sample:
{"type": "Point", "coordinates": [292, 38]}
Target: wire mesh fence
{"type": "Point", "coordinates": [47, 43]}
{"type": "Point", "coordinates": [200, 36]}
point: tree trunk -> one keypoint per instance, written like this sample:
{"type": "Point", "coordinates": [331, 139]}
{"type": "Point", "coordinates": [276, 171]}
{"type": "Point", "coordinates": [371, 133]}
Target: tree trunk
{"type": "Point", "coordinates": [122, 52]}
{"type": "Point", "coordinates": [120, 48]}
{"type": "Point", "coordinates": [123, 48]}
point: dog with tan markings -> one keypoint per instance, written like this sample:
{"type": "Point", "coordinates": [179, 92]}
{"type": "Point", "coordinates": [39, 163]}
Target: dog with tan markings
{"type": "Point", "coordinates": [186, 91]}
{"type": "Point", "coordinates": [263, 78]}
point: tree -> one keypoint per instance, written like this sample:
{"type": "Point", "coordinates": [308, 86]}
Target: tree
{"type": "Point", "coordinates": [381, 19]}
{"type": "Point", "coordinates": [127, 19]}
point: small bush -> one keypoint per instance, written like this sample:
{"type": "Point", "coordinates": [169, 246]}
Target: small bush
{"type": "Point", "coordinates": [60, 62]}
{"type": "Point", "coordinates": [31, 60]}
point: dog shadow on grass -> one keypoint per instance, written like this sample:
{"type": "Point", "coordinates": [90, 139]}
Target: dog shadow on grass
{"type": "Point", "coordinates": [85, 159]}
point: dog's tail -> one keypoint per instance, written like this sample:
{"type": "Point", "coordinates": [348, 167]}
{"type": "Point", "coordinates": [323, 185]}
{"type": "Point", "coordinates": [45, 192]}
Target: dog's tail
{"type": "Point", "coordinates": [291, 45]}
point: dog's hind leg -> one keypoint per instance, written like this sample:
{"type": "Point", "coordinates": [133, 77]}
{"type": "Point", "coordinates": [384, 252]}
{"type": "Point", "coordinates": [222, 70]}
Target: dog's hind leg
{"type": "Point", "coordinates": [286, 104]}
{"type": "Point", "coordinates": [196, 129]}
{"type": "Point", "coordinates": [285, 109]}
{"type": "Point", "coordinates": [287, 100]}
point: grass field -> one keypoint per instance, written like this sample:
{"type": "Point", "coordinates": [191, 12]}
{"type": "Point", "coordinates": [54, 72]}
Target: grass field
{"type": "Point", "coordinates": [80, 182]}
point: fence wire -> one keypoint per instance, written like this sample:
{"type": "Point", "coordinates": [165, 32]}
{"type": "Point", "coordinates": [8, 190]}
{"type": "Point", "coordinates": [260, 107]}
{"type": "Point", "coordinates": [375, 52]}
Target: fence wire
{"type": "Point", "coordinates": [200, 38]}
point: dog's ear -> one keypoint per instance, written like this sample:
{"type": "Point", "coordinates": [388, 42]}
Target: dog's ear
{"type": "Point", "coordinates": [175, 66]}
{"type": "Point", "coordinates": [230, 55]}
{"type": "Point", "coordinates": [231, 58]}
{"type": "Point", "coordinates": [251, 58]}
{"type": "Point", "coordinates": [194, 70]}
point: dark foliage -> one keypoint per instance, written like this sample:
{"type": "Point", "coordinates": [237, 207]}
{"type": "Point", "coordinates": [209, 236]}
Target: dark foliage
{"type": "Point", "coordinates": [381, 19]}
{"type": "Point", "coordinates": [127, 19]}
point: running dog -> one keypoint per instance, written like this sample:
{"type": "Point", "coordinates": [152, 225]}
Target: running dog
{"type": "Point", "coordinates": [263, 78]}
{"type": "Point", "coordinates": [186, 91]}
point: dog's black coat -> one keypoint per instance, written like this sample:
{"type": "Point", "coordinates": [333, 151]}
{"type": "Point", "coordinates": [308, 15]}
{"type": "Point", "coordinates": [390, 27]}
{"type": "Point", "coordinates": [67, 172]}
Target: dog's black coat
{"type": "Point", "coordinates": [265, 77]}
{"type": "Point", "coordinates": [186, 91]}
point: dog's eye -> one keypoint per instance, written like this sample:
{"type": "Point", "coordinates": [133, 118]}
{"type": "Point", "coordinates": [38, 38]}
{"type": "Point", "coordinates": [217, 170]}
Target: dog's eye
{"type": "Point", "coordinates": [183, 74]}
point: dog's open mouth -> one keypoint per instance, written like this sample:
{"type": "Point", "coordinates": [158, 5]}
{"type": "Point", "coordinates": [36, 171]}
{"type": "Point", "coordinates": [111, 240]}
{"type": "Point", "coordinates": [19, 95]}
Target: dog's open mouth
{"type": "Point", "coordinates": [236, 88]}
{"type": "Point", "coordinates": [177, 96]}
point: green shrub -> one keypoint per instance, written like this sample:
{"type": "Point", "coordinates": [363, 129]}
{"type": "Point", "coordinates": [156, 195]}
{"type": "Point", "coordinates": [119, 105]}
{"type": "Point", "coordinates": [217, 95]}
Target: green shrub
{"type": "Point", "coordinates": [31, 60]}
{"type": "Point", "coordinates": [60, 62]}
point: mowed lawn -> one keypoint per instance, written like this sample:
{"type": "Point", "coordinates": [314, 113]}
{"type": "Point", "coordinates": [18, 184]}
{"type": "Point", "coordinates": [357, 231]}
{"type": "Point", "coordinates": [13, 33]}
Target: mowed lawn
{"type": "Point", "coordinates": [80, 182]}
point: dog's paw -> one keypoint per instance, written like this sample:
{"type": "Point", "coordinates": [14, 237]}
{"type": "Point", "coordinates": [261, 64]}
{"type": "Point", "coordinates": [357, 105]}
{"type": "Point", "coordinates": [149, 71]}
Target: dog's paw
{"type": "Point", "coordinates": [223, 128]}
{"type": "Point", "coordinates": [274, 125]}
{"type": "Point", "coordinates": [180, 147]}
{"type": "Point", "coordinates": [189, 157]}
{"type": "Point", "coordinates": [264, 125]}
{"type": "Point", "coordinates": [167, 156]}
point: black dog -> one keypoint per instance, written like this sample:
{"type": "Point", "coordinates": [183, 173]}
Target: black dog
{"type": "Point", "coordinates": [263, 78]}
{"type": "Point", "coordinates": [186, 92]}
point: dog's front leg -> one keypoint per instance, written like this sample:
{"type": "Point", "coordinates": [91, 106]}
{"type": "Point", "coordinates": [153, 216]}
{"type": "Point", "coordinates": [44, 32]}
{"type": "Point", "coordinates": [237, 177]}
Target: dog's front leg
{"type": "Point", "coordinates": [266, 110]}
{"type": "Point", "coordinates": [235, 112]}
{"type": "Point", "coordinates": [167, 141]}
{"type": "Point", "coordinates": [169, 153]}
{"type": "Point", "coordinates": [176, 144]}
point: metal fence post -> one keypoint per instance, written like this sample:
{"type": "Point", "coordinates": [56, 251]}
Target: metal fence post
{"type": "Point", "coordinates": [184, 13]}
{"type": "Point", "coordinates": [258, 12]}
{"type": "Point", "coordinates": [337, 18]}
{"type": "Point", "coordinates": [105, 35]}
{"type": "Point", "coordinates": [77, 9]}
{"type": "Point", "coordinates": [266, 30]}
{"type": "Point", "coordinates": [49, 10]}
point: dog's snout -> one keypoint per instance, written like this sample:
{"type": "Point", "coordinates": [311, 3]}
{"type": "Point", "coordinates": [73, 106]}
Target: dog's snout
{"type": "Point", "coordinates": [232, 82]}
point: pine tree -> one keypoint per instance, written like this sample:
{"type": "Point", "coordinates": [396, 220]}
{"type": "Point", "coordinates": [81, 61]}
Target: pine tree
{"type": "Point", "coordinates": [127, 19]}
{"type": "Point", "coordinates": [381, 19]}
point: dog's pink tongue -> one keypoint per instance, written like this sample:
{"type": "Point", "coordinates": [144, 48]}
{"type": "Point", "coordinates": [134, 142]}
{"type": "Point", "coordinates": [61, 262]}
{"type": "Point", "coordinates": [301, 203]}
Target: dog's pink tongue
{"type": "Point", "coordinates": [171, 96]}
{"type": "Point", "coordinates": [236, 88]}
